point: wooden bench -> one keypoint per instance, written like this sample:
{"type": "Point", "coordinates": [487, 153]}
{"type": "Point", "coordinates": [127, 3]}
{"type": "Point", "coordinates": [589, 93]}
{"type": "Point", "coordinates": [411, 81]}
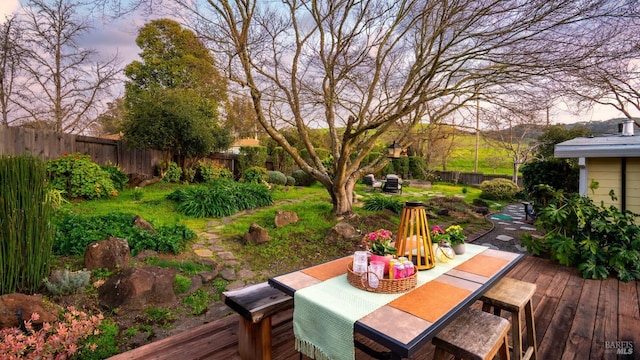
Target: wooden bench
{"type": "Point", "coordinates": [256, 304]}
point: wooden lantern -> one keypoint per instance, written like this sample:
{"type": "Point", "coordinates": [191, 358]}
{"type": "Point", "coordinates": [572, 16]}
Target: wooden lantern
{"type": "Point", "coordinates": [413, 239]}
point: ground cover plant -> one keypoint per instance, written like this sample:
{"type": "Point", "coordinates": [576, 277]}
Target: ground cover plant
{"type": "Point", "coordinates": [75, 232]}
{"type": "Point", "coordinates": [599, 240]}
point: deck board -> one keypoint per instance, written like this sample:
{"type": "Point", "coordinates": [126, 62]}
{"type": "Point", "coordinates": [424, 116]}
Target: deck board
{"type": "Point", "coordinates": [574, 318]}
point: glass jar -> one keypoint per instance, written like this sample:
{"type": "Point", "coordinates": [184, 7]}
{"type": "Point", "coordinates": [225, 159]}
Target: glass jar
{"type": "Point", "coordinates": [444, 252]}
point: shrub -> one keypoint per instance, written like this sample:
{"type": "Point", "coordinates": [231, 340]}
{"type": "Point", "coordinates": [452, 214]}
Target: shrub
{"type": "Point", "coordinates": [181, 284]}
{"type": "Point", "coordinates": [188, 175]}
{"type": "Point", "coordinates": [302, 178]}
{"type": "Point", "coordinates": [276, 177]}
{"type": "Point", "coordinates": [250, 156]}
{"type": "Point", "coordinates": [291, 181]}
{"type": "Point", "coordinates": [379, 203]}
{"type": "Point", "coordinates": [417, 166]}
{"type": "Point", "coordinates": [75, 232]}
{"type": "Point", "coordinates": [220, 198]}
{"type": "Point", "coordinates": [118, 177]}
{"type": "Point", "coordinates": [281, 160]}
{"type": "Point", "coordinates": [76, 334]}
{"type": "Point", "coordinates": [255, 174]}
{"type": "Point", "coordinates": [498, 189]}
{"type": "Point", "coordinates": [65, 282]}
{"type": "Point", "coordinates": [480, 202]}
{"type": "Point", "coordinates": [78, 176]}
{"type": "Point", "coordinates": [26, 231]}
{"type": "Point", "coordinates": [598, 240]}
{"type": "Point", "coordinates": [558, 173]}
{"type": "Point", "coordinates": [207, 171]}
{"type": "Point", "coordinates": [174, 173]}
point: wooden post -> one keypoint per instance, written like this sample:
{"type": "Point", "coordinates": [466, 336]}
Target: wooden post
{"type": "Point", "coordinates": [254, 339]}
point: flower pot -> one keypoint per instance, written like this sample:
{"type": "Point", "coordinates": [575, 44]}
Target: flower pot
{"type": "Point", "coordinates": [385, 259]}
{"type": "Point", "coordinates": [459, 249]}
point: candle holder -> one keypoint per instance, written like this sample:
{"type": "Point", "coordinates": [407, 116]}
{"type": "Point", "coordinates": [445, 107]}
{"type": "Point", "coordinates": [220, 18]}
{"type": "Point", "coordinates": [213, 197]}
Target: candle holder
{"type": "Point", "coordinates": [413, 239]}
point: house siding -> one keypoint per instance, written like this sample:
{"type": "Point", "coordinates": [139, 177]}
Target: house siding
{"type": "Point", "coordinates": [633, 185]}
{"type": "Point", "coordinates": [607, 172]}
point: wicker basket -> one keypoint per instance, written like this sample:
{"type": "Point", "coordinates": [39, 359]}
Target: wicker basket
{"type": "Point", "coordinates": [386, 286]}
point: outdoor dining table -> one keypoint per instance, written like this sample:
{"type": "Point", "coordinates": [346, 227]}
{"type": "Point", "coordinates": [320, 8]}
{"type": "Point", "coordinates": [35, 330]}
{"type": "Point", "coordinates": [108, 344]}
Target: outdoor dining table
{"type": "Point", "coordinates": [329, 311]}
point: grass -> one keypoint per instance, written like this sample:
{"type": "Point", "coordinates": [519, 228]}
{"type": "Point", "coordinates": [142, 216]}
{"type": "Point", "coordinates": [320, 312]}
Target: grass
{"type": "Point", "coordinates": [491, 158]}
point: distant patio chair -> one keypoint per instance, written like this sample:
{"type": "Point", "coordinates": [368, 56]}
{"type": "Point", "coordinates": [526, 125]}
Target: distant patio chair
{"type": "Point", "coordinates": [371, 181]}
{"type": "Point", "coordinates": [392, 184]}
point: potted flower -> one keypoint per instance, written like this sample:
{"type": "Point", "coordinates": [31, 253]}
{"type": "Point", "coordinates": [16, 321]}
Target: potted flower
{"type": "Point", "coordinates": [452, 234]}
{"type": "Point", "coordinates": [379, 244]}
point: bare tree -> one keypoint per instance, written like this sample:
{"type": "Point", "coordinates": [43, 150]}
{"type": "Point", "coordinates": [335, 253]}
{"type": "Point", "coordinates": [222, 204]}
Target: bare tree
{"type": "Point", "coordinates": [512, 130]}
{"type": "Point", "coordinates": [11, 56]}
{"type": "Point", "coordinates": [362, 68]}
{"type": "Point", "coordinates": [64, 82]}
{"type": "Point", "coordinates": [610, 75]}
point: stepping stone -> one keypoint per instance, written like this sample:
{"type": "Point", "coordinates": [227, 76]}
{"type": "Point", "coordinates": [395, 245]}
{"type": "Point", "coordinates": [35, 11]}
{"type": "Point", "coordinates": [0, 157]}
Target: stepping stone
{"type": "Point", "coordinates": [510, 229]}
{"type": "Point", "coordinates": [522, 249]}
{"type": "Point", "coordinates": [528, 228]}
{"type": "Point", "coordinates": [239, 284]}
{"type": "Point", "coordinates": [490, 246]}
{"type": "Point", "coordinates": [501, 217]}
{"type": "Point", "coordinates": [246, 274]}
{"type": "Point", "coordinates": [504, 238]}
{"type": "Point", "coordinates": [504, 223]}
{"type": "Point", "coordinates": [203, 252]}
{"type": "Point", "coordinates": [226, 255]}
{"type": "Point", "coordinates": [518, 222]}
{"type": "Point", "coordinates": [228, 274]}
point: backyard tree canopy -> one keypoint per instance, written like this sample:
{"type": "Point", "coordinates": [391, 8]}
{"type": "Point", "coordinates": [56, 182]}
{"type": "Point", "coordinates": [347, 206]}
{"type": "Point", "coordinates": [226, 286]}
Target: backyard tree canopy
{"type": "Point", "coordinates": [364, 69]}
{"type": "Point", "coordinates": [172, 96]}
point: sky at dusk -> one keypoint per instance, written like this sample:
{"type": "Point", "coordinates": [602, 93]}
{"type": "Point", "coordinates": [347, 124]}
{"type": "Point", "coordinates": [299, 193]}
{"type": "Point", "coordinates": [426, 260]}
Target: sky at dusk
{"type": "Point", "coordinates": [119, 36]}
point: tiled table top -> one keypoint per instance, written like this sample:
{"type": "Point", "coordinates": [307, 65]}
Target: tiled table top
{"type": "Point", "coordinates": [419, 314]}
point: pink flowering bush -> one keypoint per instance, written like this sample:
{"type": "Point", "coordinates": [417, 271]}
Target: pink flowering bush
{"type": "Point", "coordinates": [62, 340]}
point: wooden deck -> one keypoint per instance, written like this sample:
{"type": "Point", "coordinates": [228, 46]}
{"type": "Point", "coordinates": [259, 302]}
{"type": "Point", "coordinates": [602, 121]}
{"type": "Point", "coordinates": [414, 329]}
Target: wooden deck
{"type": "Point", "coordinates": [575, 319]}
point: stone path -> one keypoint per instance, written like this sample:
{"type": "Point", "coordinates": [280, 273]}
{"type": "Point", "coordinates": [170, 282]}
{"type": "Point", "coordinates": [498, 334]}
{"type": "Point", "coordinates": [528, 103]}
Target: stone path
{"type": "Point", "coordinates": [509, 225]}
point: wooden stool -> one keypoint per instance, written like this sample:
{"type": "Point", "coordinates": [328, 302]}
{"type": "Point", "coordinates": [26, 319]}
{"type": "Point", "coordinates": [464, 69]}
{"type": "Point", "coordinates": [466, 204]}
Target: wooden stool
{"type": "Point", "coordinates": [473, 335]}
{"type": "Point", "coordinates": [515, 296]}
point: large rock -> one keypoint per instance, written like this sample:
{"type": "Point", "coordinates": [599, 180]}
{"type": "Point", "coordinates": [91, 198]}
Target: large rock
{"type": "Point", "coordinates": [139, 287]}
{"type": "Point", "coordinates": [27, 304]}
{"type": "Point", "coordinates": [111, 254]}
{"type": "Point", "coordinates": [143, 224]}
{"type": "Point", "coordinates": [256, 235]}
{"type": "Point", "coordinates": [284, 218]}
{"type": "Point", "coordinates": [342, 231]}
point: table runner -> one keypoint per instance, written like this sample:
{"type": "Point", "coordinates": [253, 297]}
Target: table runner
{"type": "Point", "coordinates": [324, 314]}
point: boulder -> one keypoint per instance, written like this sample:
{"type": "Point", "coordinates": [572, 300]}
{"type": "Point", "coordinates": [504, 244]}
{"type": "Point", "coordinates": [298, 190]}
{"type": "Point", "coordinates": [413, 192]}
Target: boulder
{"type": "Point", "coordinates": [111, 254]}
{"type": "Point", "coordinates": [342, 231]}
{"type": "Point", "coordinates": [256, 235]}
{"type": "Point", "coordinates": [443, 212]}
{"type": "Point", "coordinates": [482, 210]}
{"type": "Point", "coordinates": [137, 288]}
{"type": "Point", "coordinates": [136, 179]}
{"type": "Point", "coordinates": [27, 304]}
{"type": "Point", "coordinates": [143, 224]}
{"type": "Point", "coordinates": [284, 218]}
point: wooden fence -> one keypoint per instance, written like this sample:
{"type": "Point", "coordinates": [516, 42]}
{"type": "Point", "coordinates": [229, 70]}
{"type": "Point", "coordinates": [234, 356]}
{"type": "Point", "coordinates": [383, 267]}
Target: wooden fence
{"type": "Point", "coordinates": [49, 145]}
{"type": "Point", "coordinates": [458, 177]}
